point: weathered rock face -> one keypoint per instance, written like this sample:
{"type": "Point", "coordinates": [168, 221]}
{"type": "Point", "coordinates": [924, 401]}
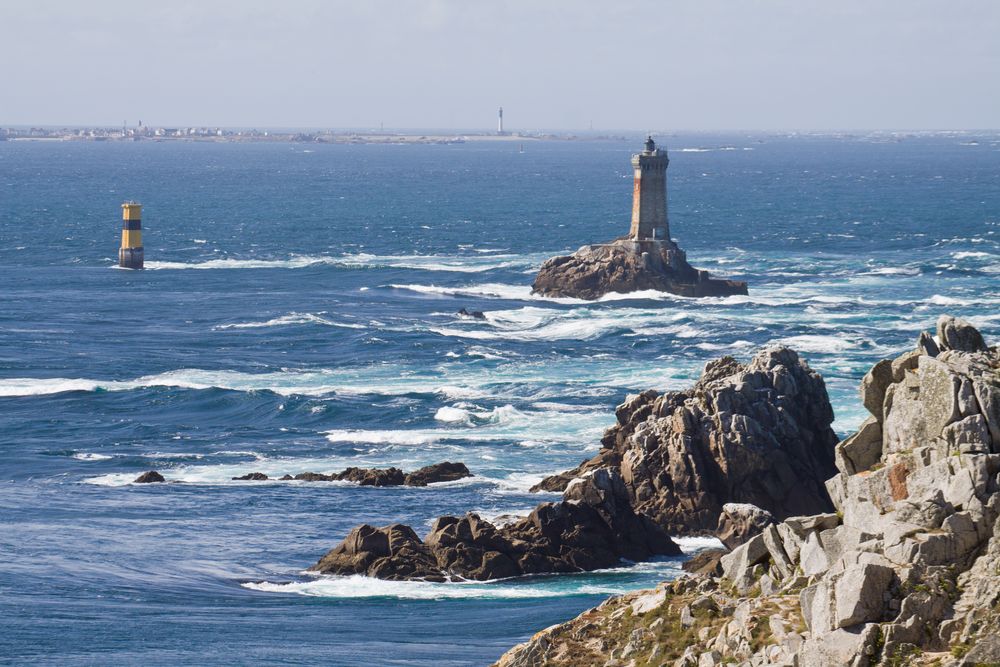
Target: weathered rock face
{"type": "Point", "coordinates": [741, 521]}
{"type": "Point", "coordinates": [757, 433]}
{"type": "Point", "coordinates": [907, 571]}
{"type": "Point", "coordinates": [593, 527]}
{"type": "Point", "coordinates": [627, 266]}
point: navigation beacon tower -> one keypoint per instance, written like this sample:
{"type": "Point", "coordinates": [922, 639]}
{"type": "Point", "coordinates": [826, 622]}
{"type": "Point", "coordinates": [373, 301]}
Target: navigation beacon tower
{"type": "Point", "coordinates": [500, 122]}
{"type": "Point", "coordinates": [649, 196]}
{"type": "Point", "coordinates": [130, 253]}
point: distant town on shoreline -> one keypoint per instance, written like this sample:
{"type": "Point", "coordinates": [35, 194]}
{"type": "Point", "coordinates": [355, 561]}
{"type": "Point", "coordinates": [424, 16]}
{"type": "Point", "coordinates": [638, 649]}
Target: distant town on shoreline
{"type": "Point", "coordinates": [219, 134]}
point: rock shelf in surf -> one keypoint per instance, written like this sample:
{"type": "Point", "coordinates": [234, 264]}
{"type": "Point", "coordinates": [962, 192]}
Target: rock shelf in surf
{"type": "Point", "coordinates": [445, 471]}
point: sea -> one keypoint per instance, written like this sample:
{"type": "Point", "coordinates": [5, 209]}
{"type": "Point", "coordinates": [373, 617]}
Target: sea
{"type": "Point", "coordinates": [298, 312]}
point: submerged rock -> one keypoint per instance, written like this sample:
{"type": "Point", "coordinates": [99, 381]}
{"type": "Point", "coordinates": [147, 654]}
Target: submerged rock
{"type": "Point", "coordinates": [473, 314]}
{"type": "Point", "coordinates": [151, 477]}
{"type": "Point", "coordinates": [624, 266]}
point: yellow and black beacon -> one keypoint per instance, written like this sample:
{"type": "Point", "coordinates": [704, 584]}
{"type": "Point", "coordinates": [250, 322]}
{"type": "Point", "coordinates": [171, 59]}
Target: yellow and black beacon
{"type": "Point", "coordinates": [130, 254]}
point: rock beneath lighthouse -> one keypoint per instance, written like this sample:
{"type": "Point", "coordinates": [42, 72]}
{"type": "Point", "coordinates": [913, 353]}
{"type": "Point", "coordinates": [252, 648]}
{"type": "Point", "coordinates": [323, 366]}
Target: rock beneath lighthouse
{"type": "Point", "coordinates": [624, 266]}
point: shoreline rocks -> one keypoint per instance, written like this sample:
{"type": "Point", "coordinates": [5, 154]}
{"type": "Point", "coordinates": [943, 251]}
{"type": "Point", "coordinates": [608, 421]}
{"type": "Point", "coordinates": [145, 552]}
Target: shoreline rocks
{"type": "Point", "coordinates": [446, 471]}
{"type": "Point", "coordinates": [593, 527]}
{"type": "Point", "coordinates": [906, 571]}
{"type": "Point", "coordinates": [756, 433]}
{"type": "Point", "coordinates": [627, 265]}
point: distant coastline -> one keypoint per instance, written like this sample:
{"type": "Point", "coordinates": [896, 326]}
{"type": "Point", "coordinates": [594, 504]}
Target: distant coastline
{"type": "Point", "coordinates": [221, 135]}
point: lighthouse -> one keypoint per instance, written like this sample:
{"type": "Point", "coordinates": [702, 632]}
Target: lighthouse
{"type": "Point", "coordinates": [649, 194]}
{"type": "Point", "coordinates": [130, 253]}
{"type": "Point", "coordinates": [500, 122]}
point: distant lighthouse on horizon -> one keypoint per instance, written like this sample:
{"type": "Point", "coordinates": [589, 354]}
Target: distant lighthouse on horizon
{"type": "Point", "coordinates": [500, 122]}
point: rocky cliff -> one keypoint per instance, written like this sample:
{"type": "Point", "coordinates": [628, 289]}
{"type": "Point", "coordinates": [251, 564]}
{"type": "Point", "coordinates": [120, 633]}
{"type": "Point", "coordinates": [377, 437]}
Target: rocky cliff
{"type": "Point", "coordinates": [756, 433]}
{"type": "Point", "coordinates": [906, 571]}
{"type": "Point", "coordinates": [627, 266]}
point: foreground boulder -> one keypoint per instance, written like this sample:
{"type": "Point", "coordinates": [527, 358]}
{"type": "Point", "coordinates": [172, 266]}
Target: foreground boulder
{"type": "Point", "coordinates": [594, 527]}
{"type": "Point", "coordinates": [741, 521]}
{"type": "Point", "coordinates": [905, 572]}
{"type": "Point", "coordinates": [757, 434]}
{"type": "Point", "coordinates": [624, 266]}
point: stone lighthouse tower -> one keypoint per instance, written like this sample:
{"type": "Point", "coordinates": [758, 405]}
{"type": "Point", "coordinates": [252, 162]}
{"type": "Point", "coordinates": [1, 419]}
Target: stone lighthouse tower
{"type": "Point", "coordinates": [649, 196]}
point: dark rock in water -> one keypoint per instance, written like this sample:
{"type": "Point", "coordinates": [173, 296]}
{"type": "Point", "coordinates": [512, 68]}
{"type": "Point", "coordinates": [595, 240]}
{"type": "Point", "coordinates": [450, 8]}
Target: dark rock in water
{"type": "Point", "coordinates": [371, 476]}
{"type": "Point", "coordinates": [705, 562]}
{"type": "Point", "coordinates": [286, 478]}
{"type": "Point", "coordinates": [627, 265]}
{"type": "Point", "coordinates": [312, 477]}
{"type": "Point", "coordinates": [474, 314]}
{"type": "Point", "coordinates": [393, 552]}
{"type": "Point", "coordinates": [757, 433]}
{"type": "Point", "coordinates": [741, 521]}
{"type": "Point", "coordinates": [439, 472]}
{"type": "Point", "coordinates": [593, 527]}
{"type": "Point", "coordinates": [252, 477]}
{"type": "Point", "coordinates": [151, 477]}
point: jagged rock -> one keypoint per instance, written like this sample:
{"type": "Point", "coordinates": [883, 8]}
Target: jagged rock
{"type": "Point", "coordinates": [757, 433]}
{"type": "Point", "coordinates": [312, 477]}
{"type": "Point", "coordinates": [873, 387]}
{"type": "Point", "coordinates": [860, 451]}
{"type": "Point", "coordinates": [252, 477]}
{"type": "Point", "coordinates": [926, 346]}
{"type": "Point", "coordinates": [371, 476]}
{"type": "Point", "coordinates": [594, 527]}
{"type": "Point", "coordinates": [625, 266]}
{"type": "Point", "coordinates": [957, 334]}
{"type": "Point", "coordinates": [438, 472]}
{"type": "Point", "coordinates": [705, 562]}
{"type": "Point", "coordinates": [151, 477]}
{"type": "Point", "coordinates": [907, 573]}
{"type": "Point", "coordinates": [741, 521]}
{"type": "Point", "coordinates": [860, 592]}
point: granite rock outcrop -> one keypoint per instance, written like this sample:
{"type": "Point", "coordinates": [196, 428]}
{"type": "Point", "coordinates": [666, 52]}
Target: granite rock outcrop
{"type": "Point", "coordinates": [593, 527]}
{"type": "Point", "coordinates": [906, 571]}
{"type": "Point", "coordinates": [756, 433]}
{"type": "Point", "coordinates": [626, 265]}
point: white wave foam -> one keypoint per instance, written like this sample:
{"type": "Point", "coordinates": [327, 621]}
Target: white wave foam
{"type": "Point", "coordinates": [291, 318]}
{"type": "Point", "coordinates": [90, 456]}
{"type": "Point", "coordinates": [366, 587]}
{"type": "Point", "coordinates": [817, 343]}
{"type": "Point", "coordinates": [690, 545]}
{"type": "Point", "coordinates": [472, 264]}
{"type": "Point", "coordinates": [452, 415]}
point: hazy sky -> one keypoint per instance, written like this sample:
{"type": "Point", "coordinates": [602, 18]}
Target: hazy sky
{"type": "Point", "coordinates": [561, 64]}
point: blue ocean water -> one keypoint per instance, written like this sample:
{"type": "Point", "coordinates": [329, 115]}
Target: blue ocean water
{"type": "Point", "coordinates": [298, 313]}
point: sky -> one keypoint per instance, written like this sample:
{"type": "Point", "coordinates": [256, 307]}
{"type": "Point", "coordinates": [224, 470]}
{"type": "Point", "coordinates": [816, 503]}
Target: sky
{"type": "Point", "coordinates": [682, 65]}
